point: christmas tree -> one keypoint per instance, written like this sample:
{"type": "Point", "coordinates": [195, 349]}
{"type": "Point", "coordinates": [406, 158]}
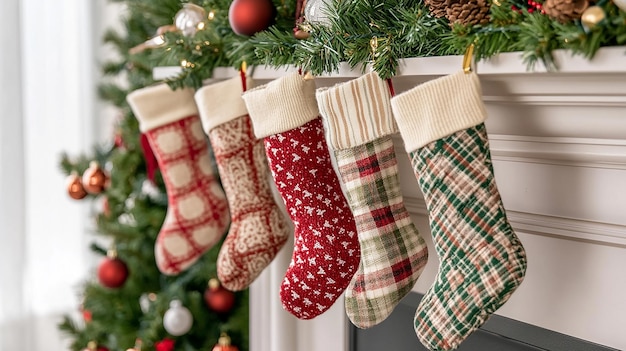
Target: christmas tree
{"type": "Point", "coordinates": [131, 304]}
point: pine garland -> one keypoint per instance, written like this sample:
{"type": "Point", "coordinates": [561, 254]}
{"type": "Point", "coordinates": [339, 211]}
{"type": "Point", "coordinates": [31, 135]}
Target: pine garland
{"type": "Point", "coordinates": [369, 32]}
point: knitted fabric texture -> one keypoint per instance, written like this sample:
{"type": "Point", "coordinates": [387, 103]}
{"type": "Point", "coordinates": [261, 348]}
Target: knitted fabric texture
{"type": "Point", "coordinates": [259, 228]}
{"type": "Point", "coordinates": [197, 214]}
{"type": "Point", "coordinates": [482, 261]}
{"type": "Point", "coordinates": [393, 253]}
{"type": "Point", "coordinates": [326, 248]}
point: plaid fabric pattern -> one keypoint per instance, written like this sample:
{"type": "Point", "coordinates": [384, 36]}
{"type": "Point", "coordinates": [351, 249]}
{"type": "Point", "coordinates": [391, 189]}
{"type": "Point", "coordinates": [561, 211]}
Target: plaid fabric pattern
{"type": "Point", "coordinates": [393, 254]}
{"type": "Point", "coordinates": [482, 261]}
{"type": "Point", "coordinates": [197, 214]}
{"type": "Point", "coordinates": [258, 227]}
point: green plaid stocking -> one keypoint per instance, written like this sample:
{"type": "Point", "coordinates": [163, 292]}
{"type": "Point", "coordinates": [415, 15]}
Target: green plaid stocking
{"type": "Point", "coordinates": [482, 261]}
{"type": "Point", "coordinates": [393, 254]}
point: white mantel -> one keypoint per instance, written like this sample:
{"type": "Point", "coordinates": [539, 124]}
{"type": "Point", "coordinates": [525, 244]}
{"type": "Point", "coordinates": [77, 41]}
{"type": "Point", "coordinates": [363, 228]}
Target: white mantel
{"type": "Point", "coordinates": [558, 142]}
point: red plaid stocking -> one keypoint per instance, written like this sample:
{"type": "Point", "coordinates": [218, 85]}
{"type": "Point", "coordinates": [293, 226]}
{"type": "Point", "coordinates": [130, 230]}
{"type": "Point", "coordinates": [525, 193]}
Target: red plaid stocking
{"type": "Point", "coordinates": [197, 215]}
{"type": "Point", "coordinates": [258, 229]}
{"type": "Point", "coordinates": [326, 250]}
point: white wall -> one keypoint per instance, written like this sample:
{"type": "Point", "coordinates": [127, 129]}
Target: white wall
{"type": "Point", "coordinates": [47, 107]}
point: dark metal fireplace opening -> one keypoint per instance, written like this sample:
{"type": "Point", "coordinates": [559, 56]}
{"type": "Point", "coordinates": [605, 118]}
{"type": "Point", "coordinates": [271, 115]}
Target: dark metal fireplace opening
{"type": "Point", "coordinates": [396, 333]}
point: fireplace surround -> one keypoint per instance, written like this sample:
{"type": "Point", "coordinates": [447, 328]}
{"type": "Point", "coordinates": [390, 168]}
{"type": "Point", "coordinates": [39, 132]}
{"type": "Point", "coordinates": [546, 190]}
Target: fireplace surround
{"type": "Point", "coordinates": [558, 144]}
{"type": "Point", "coordinates": [497, 334]}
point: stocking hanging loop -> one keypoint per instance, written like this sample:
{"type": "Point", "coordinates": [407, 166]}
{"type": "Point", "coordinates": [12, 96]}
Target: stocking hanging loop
{"type": "Point", "coordinates": [468, 59]}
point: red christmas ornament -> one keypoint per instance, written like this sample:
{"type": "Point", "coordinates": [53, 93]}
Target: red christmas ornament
{"type": "Point", "coordinates": [87, 316]}
{"type": "Point", "coordinates": [164, 345]}
{"type": "Point", "coordinates": [94, 179]}
{"type": "Point", "coordinates": [223, 344]}
{"type": "Point", "coordinates": [248, 17]}
{"type": "Point", "coordinates": [217, 298]}
{"type": "Point", "coordinates": [112, 272]}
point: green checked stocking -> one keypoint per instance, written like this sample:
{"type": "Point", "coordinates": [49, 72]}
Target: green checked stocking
{"type": "Point", "coordinates": [393, 253]}
{"type": "Point", "coordinates": [482, 262]}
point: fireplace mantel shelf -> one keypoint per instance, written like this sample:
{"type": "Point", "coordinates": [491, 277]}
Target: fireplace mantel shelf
{"type": "Point", "coordinates": [606, 60]}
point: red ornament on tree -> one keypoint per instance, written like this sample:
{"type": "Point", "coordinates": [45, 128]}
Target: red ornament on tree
{"type": "Point", "coordinates": [94, 179]}
{"type": "Point", "coordinates": [112, 271]}
{"type": "Point", "coordinates": [217, 298]}
{"type": "Point", "coordinates": [223, 344]}
{"type": "Point", "coordinates": [164, 345]}
{"type": "Point", "coordinates": [248, 17]}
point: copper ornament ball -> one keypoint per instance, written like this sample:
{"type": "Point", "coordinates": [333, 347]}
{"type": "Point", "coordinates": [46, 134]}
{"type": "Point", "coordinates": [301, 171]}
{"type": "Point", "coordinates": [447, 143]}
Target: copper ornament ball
{"type": "Point", "coordinates": [223, 344]}
{"type": "Point", "coordinates": [75, 187]}
{"type": "Point", "coordinates": [94, 179]}
{"type": "Point", "coordinates": [248, 17]}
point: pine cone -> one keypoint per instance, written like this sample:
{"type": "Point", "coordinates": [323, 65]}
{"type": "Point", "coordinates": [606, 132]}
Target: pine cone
{"type": "Point", "coordinates": [468, 12]}
{"type": "Point", "coordinates": [565, 10]}
{"type": "Point", "coordinates": [438, 7]}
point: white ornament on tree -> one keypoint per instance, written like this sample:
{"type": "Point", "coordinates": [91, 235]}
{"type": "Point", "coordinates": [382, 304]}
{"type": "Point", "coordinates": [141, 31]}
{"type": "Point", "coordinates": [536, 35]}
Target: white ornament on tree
{"type": "Point", "coordinates": [316, 11]}
{"type": "Point", "coordinates": [177, 320]}
{"type": "Point", "coordinates": [621, 4]}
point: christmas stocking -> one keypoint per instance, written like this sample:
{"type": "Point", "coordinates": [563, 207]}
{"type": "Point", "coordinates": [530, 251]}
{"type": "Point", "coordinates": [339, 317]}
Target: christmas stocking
{"type": "Point", "coordinates": [393, 253]}
{"type": "Point", "coordinates": [197, 214]}
{"type": "Point", "coordinates": [482, 261]}
{"type": "Point", "coordinates": [326, 248]}
{"type": "Point", "coordinates": [258, 229]}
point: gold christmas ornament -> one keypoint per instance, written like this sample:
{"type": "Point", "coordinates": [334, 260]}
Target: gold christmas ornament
{"type": "Point", "coordinates": [592, 16]}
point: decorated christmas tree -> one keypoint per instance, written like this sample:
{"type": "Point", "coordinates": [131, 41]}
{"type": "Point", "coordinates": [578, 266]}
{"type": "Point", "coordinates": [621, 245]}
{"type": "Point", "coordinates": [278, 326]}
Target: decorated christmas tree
{"type": "Point", "coordinates": [130, 302]}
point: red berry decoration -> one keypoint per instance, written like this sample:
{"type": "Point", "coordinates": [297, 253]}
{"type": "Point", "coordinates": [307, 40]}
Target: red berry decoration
{"type": "Point", "coordinates": [112, 272]}
{"type": "Point", "coordinates": [248, 17]}
{"type": "Point", "coordinates": [223, 344]}
{"type": "Point", "coordinates": [218, 298]}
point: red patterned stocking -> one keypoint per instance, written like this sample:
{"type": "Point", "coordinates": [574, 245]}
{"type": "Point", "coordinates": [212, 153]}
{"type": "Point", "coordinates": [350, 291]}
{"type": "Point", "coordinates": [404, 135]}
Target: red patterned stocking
{"type": "Point", "coordinates": [326, 250]}
{"type": "Point", "coordinates": [259, 228]}
{"type": "Point", "coordinates": [197, 215]}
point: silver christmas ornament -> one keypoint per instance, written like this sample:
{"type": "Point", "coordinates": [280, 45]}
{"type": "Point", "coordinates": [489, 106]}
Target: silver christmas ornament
{"type": "Point", "coordinates": [177, 320]}
{"type": "Point", "coordinates": [190, 19]}
{"type": "Point", "coordinates": [316, 11]}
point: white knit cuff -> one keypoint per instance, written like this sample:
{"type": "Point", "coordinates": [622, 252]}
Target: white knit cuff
{"type": "Point", "coordinates": [281, 105]}
{"type": "Point", "coordinates": [221, 102]}
{"type": "Point", "coordinates": [357, 111]}
{"type": "Point", "coordinates": [159, 105]}
{"type": "Point", "coordinates": [438, 108]}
